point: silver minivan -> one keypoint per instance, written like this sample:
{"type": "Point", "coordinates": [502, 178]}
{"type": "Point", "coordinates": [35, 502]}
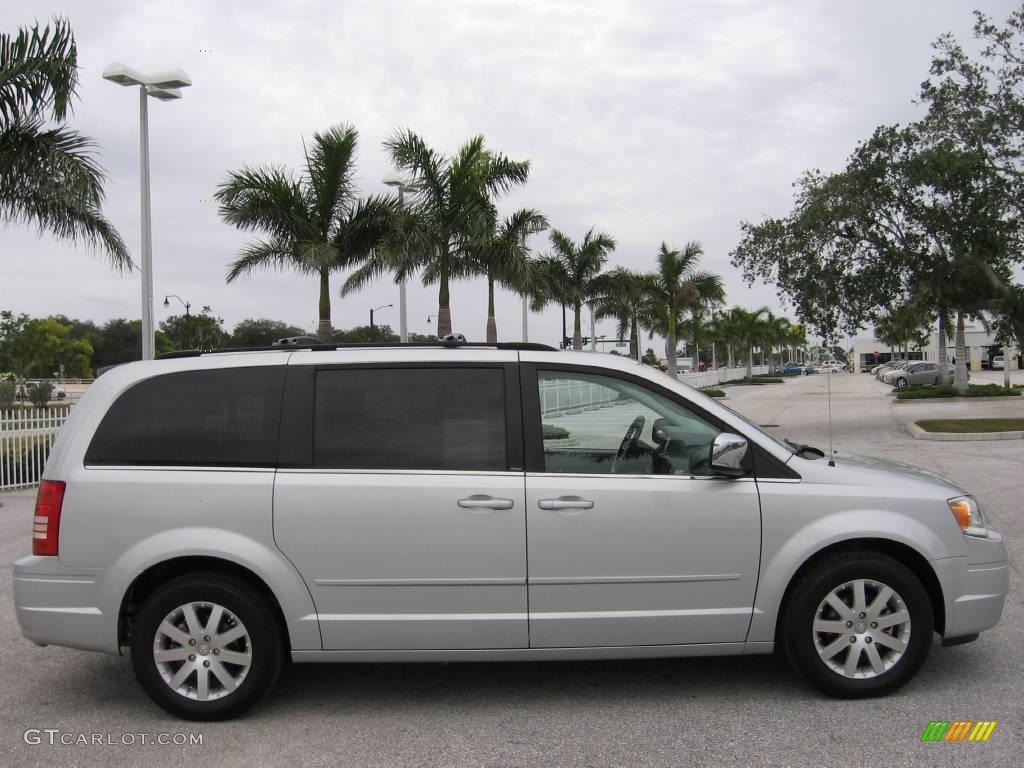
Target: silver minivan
{"type": "Point", "coordinates": [214, 514]}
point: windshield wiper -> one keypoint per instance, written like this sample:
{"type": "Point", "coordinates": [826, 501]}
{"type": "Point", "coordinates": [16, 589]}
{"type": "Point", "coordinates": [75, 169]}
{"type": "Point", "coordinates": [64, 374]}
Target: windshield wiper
{"type": "Point", "coordinates": [802, 448]}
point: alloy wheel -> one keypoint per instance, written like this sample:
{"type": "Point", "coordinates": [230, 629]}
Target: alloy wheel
{"type": "Point", "coordinates": [861, 629]}
{"type": "Point", "coordinates": [202, 651]}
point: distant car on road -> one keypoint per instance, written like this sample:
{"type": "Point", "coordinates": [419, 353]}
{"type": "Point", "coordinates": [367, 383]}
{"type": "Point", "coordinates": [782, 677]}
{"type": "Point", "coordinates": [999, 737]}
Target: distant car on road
{"type": "Point", "coordinates": [831, 366]}
{"type": "Point", "coordinates": [797, 369]}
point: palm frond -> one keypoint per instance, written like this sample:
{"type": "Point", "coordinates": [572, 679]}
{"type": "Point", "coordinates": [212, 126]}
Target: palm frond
{"type": "Point", "coordinates": [38, 71]}
{"type": "Point", "coordinates": [330, 167]}
{"type": "Point", "coordinates": [267, 199]}
{"type": "Point", "coordinates": [266, 254]}
{"type": "Point", "coordinates": [48, 178]}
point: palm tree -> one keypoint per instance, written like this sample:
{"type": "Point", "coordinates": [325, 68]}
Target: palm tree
{"type": "Point", "coordinates": [774, 334]}
{"type": "Point", "coordinates": [452, 203]}
{"type": "Point", "coordinates": [313, 224]}
{"type": "Point", "coordinates": [747, 329]}
{"type": "Point", "coordinates": [676, 287]}
{"type": "Point", "coordinates": [797, 338]}
{"type": "Point", "coordinates": [570, 272]}
{"type": "Point", "coordinates": [500, 255]}
{"type": "Point", "coordinates": [48, 177]}
{"type": "Point", "coordinates": [621, 293]}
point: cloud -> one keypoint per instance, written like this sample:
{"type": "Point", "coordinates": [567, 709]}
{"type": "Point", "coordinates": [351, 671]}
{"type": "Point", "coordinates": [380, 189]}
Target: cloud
{"type": "Point", "coordinates": [653, 120]}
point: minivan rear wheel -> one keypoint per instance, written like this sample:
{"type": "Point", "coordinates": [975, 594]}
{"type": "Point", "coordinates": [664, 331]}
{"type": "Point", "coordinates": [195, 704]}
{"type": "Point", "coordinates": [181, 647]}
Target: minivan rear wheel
{"type": "Point", "coordinates": [206, 647]}
{"type": "Point", "coordinates": [858, 624]}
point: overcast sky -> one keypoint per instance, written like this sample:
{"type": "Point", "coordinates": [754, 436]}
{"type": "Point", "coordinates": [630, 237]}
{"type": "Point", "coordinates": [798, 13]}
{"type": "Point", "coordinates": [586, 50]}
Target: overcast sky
{"type": "Point", "coordinates": [671, 120]}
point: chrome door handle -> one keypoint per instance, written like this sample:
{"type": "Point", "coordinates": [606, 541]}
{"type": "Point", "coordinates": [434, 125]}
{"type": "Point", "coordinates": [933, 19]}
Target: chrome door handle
{"type": "Point", "coordinates": [483, 501]}
{"type": "Point", "coordinates": [565, 502]}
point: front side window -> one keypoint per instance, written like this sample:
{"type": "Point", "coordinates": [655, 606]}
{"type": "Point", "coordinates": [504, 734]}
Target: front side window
{"type": "Point", "coordinates": [595, 424]}
{"type": "Point", "coordinates": [410, 418]}
{"type": "Point", "coordinates": [224, 417]}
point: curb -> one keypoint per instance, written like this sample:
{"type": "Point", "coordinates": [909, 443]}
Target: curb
{"type": "Point", "coordinates": [1011, 398]}
{"type": "Point", "coordinates": [920, 434]}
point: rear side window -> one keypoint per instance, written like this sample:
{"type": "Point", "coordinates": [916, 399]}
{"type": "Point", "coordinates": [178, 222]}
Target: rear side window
{"type": "Point", "coordinates": [222, 418]}
{"type": "Point", "coordinates": [410, 418]}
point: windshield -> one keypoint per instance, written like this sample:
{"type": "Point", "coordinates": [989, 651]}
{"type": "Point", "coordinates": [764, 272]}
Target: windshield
{"type": "Point", "coordinates": [788, 447]}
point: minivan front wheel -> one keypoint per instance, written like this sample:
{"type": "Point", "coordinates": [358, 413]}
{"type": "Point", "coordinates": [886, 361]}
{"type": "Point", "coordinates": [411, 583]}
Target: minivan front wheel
{"type": "Point", "coordinates": [859, 624]}
{"type": "Point", "coordinates": [206, 647]}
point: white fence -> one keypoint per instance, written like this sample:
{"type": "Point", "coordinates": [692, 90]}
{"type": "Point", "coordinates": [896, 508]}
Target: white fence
{"type": "Point", "coordinates": [26, 435]}
{"type": "Point", "coordinates": [711, 378]}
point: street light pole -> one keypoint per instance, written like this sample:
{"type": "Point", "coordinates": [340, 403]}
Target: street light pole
{"type": "Point", "coordinates": [148, 332]}
{"type": "Point", "coordinates": [163, 86]}
{"type": "Point", "coordinates": [383, 306]}
{"type": "Point", "coordinates": [403, 317]}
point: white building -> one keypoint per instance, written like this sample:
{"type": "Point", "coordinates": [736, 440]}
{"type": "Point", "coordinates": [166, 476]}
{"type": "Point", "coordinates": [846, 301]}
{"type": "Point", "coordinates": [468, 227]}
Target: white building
{"type": "Point", "coordinates": [869, 351]}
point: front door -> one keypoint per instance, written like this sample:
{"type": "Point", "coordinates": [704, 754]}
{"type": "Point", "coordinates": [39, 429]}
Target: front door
{"type": "Point", "coordinates": [409, 525]}
{"type": "Point", "coordinates": [632, 539]}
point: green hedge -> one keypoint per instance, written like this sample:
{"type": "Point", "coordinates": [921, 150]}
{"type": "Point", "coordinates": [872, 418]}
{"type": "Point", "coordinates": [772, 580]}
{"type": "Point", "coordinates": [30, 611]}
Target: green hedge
{"type": "Point", "coordinates": [758, 379]}
{"type": "Point", "coordinates": [973, 390]}
{"type": "Point", "coordinates": [712, 392]}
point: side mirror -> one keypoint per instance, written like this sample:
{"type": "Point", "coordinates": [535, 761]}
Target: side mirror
{"type": "Point", "coordinates": [729, 454]}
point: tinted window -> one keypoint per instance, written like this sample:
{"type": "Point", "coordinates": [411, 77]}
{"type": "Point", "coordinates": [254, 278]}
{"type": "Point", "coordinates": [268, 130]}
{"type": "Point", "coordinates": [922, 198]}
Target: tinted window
{"type": "Point", "coordinates": [226, 417]}
{"type": "Point", "coordinates": [410, 418]}
{"type": "Point", "coordinates": [604, 425]}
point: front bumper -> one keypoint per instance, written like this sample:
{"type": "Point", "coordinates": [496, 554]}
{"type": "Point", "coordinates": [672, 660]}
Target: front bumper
{"type": "Point", "coordinates": [974, 587]}
{"type": "Point", "coordinates": [56, 605]}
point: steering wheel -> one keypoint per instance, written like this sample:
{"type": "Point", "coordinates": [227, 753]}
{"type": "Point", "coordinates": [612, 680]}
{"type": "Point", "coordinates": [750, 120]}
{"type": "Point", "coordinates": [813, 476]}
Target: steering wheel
{"type": "Point", "coordinates": [629, 440]}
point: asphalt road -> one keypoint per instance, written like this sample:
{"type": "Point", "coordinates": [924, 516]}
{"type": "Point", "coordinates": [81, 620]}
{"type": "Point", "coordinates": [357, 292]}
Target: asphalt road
{"type": "Point", "coordinates": [722, 711]}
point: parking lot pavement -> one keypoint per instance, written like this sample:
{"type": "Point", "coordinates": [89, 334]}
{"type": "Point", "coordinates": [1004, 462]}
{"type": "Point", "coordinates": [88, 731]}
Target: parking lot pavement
{"type": "Point", "coordinates": [748, 711]}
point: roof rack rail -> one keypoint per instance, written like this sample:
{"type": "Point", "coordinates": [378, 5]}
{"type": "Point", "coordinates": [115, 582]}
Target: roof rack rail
{"type": "Point", "coordinates": [445, 343]}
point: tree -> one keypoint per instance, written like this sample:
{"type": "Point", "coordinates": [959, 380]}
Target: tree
{"type": "Point", "coordinates": [500, 254]}
{"type": "Point", "coordinates": [313, 224]}
{"type": "Point", "coordinates": [48, 176]}
{"type": "Point", "coordinates": [40, 348]}
{"type": "Point", "coordinates": [569, 273]}
{"type": "Point", "coordinates": [649, 358]}
{"type": "Point", "coordinates": [361, 334]}
{"type": "Point", "coordinates": [747, 330]}
{"type": "Point", "coordinates": [197, 331]}
{"type": "Point", "coordinates": [677, 287]}
{"type": "Point", "coordinates": [261, 332]}
{"type": "Point", "coordinates": [621, 294]}
{"type": "Point", "coordinates": [904, 326]}
{"type": "Point", "coordinates": [453, 200]}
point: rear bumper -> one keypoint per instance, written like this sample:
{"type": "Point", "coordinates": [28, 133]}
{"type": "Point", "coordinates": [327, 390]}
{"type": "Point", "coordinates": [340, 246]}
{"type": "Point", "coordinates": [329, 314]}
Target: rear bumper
{"type": "Point", "coordinates": [68, 607]}
{"type": "Point", "coordinates": [974, 587]}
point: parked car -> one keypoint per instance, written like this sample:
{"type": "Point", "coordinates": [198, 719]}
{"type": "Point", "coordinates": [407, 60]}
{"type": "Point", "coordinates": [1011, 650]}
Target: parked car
{"type": "Point", "coordinates": [796, 369]}
{"type": "Point", "coordinates": [831, 366]}
{"type": "Point", "coordinates": [891, 366]}
{"type": "Point", "coordinates": [216, 513]}
{"type": "Point", "coordinates": [998, 362]}
{"type": "Point", "coordinates": [915, 374]}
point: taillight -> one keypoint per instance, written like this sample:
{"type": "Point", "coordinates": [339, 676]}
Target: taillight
{"type": "Point", "coordinates": [46, 523]}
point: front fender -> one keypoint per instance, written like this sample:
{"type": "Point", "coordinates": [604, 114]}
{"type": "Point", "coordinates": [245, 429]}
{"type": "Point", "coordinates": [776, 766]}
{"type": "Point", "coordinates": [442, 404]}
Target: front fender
{"type": "Point", "coordinates": [790, 540]}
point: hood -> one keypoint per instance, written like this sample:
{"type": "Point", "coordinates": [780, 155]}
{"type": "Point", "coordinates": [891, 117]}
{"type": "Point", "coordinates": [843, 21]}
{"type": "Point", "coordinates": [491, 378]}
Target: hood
{"type": "Point", "coordinates": [882, 472]}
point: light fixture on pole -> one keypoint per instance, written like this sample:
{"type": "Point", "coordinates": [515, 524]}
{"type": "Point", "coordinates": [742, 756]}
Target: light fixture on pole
{"type": "Point", "coordinates": [403, 325]}
{"type": "Point", "coordinates": [165, 87]}
{"type": "Point", "coordinates": [188, 317]}
{"type": "Point", "coordinates": [382, 306]}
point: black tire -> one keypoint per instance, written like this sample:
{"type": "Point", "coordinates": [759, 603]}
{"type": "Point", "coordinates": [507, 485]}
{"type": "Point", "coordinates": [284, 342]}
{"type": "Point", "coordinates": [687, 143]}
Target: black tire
{"type": "Point", "coordinates": [808, 594]}
{"type": "Point", "coordinates": [901, 382]}
{"type": "Point", "coordinates": [265, 634]}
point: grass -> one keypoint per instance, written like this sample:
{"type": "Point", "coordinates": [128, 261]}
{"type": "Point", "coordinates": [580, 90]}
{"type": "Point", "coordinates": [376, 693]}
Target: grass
{"type": "Point", "coordinates": [971, 425]}
{"type": "Point", "coordinates": [973, 390]}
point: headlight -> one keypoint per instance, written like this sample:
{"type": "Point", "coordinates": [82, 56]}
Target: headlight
{"type": "Point", "coordinates": [968, 515]}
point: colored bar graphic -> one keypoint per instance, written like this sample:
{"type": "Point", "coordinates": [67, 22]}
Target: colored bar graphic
{"type": "Point", "coordinates": [958, 730]}
{"type": "Point", "coordinates": [935, 730]}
